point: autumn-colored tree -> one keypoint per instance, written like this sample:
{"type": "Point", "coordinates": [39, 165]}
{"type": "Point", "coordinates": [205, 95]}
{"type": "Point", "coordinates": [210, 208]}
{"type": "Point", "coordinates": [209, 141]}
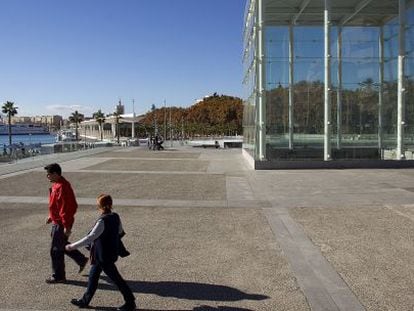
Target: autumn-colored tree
{"type": "Point", "coordinates": [214, 115]}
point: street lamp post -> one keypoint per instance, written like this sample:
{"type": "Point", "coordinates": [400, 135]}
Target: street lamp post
{"type": "Point", "coordinates": [84, 136]}
{"type": "Point", "coordinates": [171, 130]}
{"type": "Point", "coordinates": [165, 120]}
{"type": "Point", "coordinates": [30, 145]}
{"type": "Point", "coordinates": [133, 120]}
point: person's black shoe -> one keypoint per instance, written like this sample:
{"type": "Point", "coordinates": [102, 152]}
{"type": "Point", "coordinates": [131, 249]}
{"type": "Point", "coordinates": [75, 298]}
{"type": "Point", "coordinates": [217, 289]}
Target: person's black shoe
{"type": "Point", "coordinates": [53, 280]}
{"type": "Point", "coordinates": [129, 306]}
{"type": "Point", "coordinates": [82, 266]}
{"type": "Point", "coordinates": [79, 303]}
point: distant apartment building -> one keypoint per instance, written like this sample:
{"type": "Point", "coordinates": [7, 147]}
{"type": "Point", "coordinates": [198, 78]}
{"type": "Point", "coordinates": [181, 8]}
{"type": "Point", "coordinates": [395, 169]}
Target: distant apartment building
{"type": "Point", "coordinates": [19, 119]}
{"type": "Point", "coordinates": [53, 121]}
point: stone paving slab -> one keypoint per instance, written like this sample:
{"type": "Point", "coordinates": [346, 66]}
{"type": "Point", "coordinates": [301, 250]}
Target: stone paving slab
{"type": "Point", "coordinates": [137, 164]}
{"type": "Point", "coordinates": [182, 259]}
{"type": "Point", "coordinates": [207, 232]}
{"type": "Point", "coordinates": [150, 154]}
{"type": "Point", "coordinates": [132, 186]}
{"type": "Point", "coordinates": [370, 247]}
{"type": "Point", "coordinates": [336, 188]}
{"type": "Point", "coordinates": [406, 210]}
{"type": "Point", "coordinates": [229, 160]}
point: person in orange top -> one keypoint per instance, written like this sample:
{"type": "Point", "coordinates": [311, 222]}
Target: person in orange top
{"type": "Point", "coordinates": [62, 209]}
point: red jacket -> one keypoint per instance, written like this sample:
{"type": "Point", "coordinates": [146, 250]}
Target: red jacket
{"type": "Point", "coordinates": [62, 203]}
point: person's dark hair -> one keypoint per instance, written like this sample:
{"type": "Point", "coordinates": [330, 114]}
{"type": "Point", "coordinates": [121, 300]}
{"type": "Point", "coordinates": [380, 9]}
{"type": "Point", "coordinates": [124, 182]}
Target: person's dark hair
{"type": "Point", "coordinates": [53, 168]}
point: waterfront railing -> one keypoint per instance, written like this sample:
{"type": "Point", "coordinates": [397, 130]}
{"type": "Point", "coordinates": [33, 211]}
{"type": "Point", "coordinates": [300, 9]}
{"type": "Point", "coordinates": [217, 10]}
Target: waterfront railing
{"type": "Point", "coordinates": [17, 152]}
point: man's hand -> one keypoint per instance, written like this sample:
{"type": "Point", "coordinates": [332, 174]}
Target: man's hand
{"type": "Point", "coordinates": [68, 248]}
{"type": "Point", "coordinates": [67, 232]}
{"type": "Point", "coordinates": [48, 220]}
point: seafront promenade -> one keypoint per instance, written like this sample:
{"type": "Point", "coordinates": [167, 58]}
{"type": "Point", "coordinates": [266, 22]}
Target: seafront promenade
{"type": "Point", "coordinates": [207, 233]}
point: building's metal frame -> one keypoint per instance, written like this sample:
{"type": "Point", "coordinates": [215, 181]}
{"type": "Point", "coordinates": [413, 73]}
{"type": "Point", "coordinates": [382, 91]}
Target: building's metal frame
{"type": "Point", "coordinates": [332, 12]}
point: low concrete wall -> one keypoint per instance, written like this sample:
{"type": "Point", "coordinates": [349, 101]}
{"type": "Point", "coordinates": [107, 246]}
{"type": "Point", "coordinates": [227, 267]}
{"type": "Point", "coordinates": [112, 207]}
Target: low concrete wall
{"type": "Point", "coordinates": [341, 164]}
{"type": "Point", "coordinates": [71, 146]}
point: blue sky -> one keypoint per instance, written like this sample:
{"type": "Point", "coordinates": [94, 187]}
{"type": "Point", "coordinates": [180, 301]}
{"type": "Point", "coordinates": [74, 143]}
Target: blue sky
{"type": "Point", "coordinates": [60, 55]}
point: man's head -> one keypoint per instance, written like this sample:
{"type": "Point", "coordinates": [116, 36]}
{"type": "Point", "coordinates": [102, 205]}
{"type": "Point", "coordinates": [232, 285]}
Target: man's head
{"type": "Point", "coordinates": [54, 171]}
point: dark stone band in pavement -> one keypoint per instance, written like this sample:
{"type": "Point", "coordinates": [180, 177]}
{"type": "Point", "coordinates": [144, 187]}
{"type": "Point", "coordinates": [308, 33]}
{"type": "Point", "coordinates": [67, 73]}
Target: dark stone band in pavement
{"type": "Point", "coordinates": [146, 202]}
{"type": "Point", "coordinates": [323, 287]}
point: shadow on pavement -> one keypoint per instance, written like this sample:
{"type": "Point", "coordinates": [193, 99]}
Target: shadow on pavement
{"type": "Point", "coordinates": [220, 308]}
{"type": "Point", "coordinates": [200, 308]}
{"type": "Point", "coordinates": [183, 290]}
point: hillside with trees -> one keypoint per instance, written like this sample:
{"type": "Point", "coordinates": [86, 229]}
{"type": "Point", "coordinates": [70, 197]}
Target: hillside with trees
{"type": "Point", "coordinates": [216, 115]}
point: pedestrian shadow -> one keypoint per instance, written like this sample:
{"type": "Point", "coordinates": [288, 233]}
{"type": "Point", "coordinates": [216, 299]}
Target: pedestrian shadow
{"type": "Point", "coordinates": [193, 291]}
{"type": "Point", "coordinates": [181, 290]}
{"type": "Point", "coordinates": [220, 308]}
{"type": "Point", "coordinates": [200, 308]}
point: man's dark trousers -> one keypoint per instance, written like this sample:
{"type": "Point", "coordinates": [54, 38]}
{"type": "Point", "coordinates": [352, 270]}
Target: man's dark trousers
{"type": "Point", "coordinates": [57, 253]}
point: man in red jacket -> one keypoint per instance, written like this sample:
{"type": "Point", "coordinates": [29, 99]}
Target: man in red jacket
{"type": "Point", "coordinates": [62, 209]}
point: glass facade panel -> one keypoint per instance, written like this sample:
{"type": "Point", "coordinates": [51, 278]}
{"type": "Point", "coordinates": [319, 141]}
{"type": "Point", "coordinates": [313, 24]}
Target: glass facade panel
{"type": "Point", "coordinates": [276, 84]}
{"type": "Point", "coordinates": [249, 81]}
{"type": "Point", "coordinates": [308, 107]}
{"type": "Point", "coordinates": [390, 93]}
{"type": "Point", "coordinates": [409, 84]}
{"type": "Point", "coordinates": [356, 136]}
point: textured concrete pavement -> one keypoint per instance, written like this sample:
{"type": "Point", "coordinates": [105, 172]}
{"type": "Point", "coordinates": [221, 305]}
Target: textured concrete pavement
{"type": "Point", "coordinates": [208, 233]}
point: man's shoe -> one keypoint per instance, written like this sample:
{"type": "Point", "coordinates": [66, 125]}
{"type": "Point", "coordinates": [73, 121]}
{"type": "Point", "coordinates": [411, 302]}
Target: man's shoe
{"type": "Point", "coordinates": [130, 306]}
{"type": "Point", "coordinates": [79, 303]}
{"type": "Point", "coordinates": [53, 280]}
{"type": "Point", "coordinates": [82, 266]}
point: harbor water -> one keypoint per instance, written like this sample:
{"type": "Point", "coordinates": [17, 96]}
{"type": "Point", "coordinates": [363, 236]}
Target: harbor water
{"type": "Point", "coordinates": [28, 139]}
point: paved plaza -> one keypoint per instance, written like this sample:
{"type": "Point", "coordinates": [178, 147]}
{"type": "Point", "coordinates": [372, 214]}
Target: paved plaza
{"type": "Point", "coordinates": [207, 233]}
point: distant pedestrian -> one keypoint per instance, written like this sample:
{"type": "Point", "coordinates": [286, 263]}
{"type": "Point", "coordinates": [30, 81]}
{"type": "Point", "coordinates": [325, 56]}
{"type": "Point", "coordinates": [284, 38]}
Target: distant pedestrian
{"type": "Point", "coordinates": [62, 209]}
{"type": "Point", "coordinates": [105, 246]}
{"type": "Point", "coordinates": [158, 143]}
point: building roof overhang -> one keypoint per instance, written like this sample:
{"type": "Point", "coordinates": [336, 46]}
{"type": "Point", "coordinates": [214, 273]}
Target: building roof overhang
{"type": "Point", "coordinates": [342, 12]}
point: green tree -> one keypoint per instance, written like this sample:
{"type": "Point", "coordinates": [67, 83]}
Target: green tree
{"type": "Point", "coordinates": [100, 118]}
{"type": "Point", "coordinates": [10, 110]}
{"type": "Point", "coordinates": [76, 118]}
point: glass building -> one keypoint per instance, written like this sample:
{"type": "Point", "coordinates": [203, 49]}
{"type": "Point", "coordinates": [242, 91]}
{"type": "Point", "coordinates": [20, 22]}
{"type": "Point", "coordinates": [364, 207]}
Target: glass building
{"type": "Point", "coordinates": [329, 83]}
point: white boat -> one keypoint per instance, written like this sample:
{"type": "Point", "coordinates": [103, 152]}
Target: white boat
{"type": "Point", "coordinates": [23, 129]}
{"type": "Point", "coordinates": [65, 135]}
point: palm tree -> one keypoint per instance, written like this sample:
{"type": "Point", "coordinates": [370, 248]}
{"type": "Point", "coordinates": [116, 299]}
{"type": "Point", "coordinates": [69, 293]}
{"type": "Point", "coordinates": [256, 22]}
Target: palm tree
{"type": "Point", "coordinates": [100, 118]}
{"type": "Point", "coordinates": [117, 115]}
{"type": "Point", "coordinates": [10, 110]}
{"type": "Point", "coordinates": [76, 118]}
